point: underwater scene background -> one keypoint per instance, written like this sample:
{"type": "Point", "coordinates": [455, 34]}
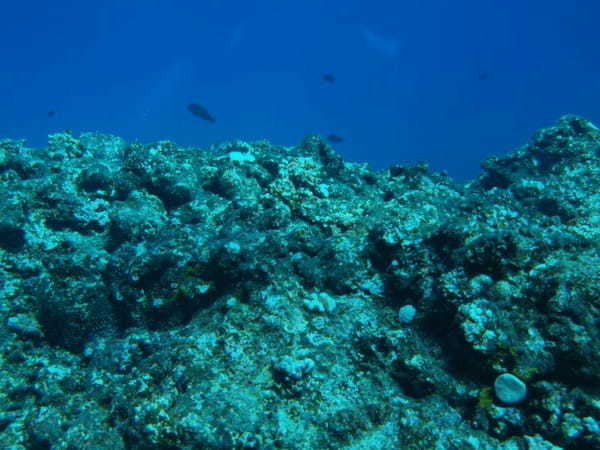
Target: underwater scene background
{"type": "Point", "coordinates": [446, 82]}
{"type": "Point", "coordinates": [299, 225]}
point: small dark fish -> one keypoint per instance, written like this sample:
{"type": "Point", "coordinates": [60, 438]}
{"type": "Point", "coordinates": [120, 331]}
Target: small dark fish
{"type": "Point", "coordinates": [200, 111]}
{"type": "Point", "coordinates": [329, 77]}
{"type": "Point", "coordinates": [334, 138]}
{"type": "Point", "coordinates": [483, 76]}
{"type": "Point", "coordinates": [51, 113]}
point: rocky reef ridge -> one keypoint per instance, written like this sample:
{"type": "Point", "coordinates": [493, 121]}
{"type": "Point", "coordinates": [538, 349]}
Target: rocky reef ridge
{"type": "Point", "coordinates": [253, 296]}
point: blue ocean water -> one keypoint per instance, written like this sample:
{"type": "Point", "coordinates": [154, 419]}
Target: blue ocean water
{"type": "Point", "coordinates": [446, 82]}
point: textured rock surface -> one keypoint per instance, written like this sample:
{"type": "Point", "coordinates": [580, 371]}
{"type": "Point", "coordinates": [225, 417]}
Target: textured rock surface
{"type": "Point", "coordinates": [248, 296]}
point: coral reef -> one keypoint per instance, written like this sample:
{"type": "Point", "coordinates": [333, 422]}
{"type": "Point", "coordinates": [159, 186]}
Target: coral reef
{"type": "Point", "coordinates": [253, 296]}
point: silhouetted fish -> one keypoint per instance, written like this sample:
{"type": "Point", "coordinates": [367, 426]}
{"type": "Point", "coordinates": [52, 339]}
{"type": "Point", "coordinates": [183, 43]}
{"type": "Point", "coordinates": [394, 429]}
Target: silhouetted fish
{"type": "Point", "coordinates": [329, 77]}
{"type": "Point", "coordinates": [51, 113]}
{"type": "Point", "coordinates": [200, 111]}
{"type": "Point", "coordinates": [335, 138]}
